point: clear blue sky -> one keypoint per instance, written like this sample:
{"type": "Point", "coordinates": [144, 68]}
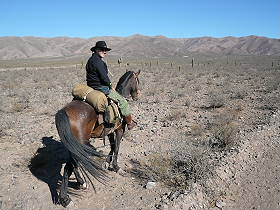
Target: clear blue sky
{"type": "Point", "coordinates": [171, 18]}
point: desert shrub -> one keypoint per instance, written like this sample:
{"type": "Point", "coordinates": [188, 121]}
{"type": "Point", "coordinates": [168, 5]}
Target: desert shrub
{"type": "Point", "coordinates": [269, 103]}
{"type": "Point", "coordinates": [17, 107]}
{"type": "Point", "coordinates": [176, 95]}
{"type": "Point", "coordinates": [175, 171]}
{"type": "Point", "coordinates": [223, 135]}
{"type": "Point", "coordinates": [239, 94]}
{"type": "Point", "coordinates": [174, 115]}
{"type": "Point", "coordinates": [150, 92]}
{"type": "Point", "coordinates": [215, 100]}
{"type": "Point", "coordinates": [272, 84]}
{"type": "Point", "coordinates": [196, 130]}
{"type": "Point", "coordinates": [20, 105]}
{"type": "Point", "coordinates": [224, 129]}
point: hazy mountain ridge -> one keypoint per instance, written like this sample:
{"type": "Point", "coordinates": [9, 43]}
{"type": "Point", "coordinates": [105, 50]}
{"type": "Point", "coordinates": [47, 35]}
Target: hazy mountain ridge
{"type": "Point", "coordinates": [136, 45]}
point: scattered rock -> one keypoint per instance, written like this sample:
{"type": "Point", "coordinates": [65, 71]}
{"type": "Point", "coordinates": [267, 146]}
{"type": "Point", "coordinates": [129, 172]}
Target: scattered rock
{"type": "Point", "coordinates": [150, 185]}
{"type": "Point", "coordinates": [220, 204]}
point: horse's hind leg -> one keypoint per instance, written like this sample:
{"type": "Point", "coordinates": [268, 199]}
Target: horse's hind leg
{"type": "Point", "coordinates": [80, 181]}
{"type": "Point", "coordinates": [63, 197]}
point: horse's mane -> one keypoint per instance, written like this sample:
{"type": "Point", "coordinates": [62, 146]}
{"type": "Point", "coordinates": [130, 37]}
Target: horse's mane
{"type": "Point", "coordinates": [123, 80]}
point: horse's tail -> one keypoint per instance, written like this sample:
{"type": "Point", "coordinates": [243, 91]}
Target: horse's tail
{"type": "Point", "coordinates": [80, 152]}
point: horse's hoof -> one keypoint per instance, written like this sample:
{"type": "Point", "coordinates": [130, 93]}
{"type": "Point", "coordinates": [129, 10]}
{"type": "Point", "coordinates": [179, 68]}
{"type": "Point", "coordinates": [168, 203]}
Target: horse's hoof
{"type": "Point", "coordinates": [105, 165]}
{"type": "Point", "coordinates": [66, 201]}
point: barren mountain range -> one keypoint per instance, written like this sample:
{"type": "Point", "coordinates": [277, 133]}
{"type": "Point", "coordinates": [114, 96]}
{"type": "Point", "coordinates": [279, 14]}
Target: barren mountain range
{"type": "Point", "coordinates": [135, 46]}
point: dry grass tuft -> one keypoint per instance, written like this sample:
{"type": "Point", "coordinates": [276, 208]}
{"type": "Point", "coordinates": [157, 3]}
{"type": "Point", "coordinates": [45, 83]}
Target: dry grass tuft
{"type": "Point", "coordinates": [174, 115]}
{"type": "Point", "coordinates": [215, 100]}
{"type": "Point", "coordinates": [224, 129]}
{"type": "Point", "coordinates": [177, 171]}
{"type": "Point", "coordinates": [18, 107]}
{"type": "Point", "coordinates": [197, 129]}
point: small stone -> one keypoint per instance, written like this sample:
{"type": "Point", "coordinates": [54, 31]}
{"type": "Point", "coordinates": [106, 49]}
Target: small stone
{"type": "Point", "coordinates": [150, 185]}
{"type": "Point", "coordinates": [220, 204]}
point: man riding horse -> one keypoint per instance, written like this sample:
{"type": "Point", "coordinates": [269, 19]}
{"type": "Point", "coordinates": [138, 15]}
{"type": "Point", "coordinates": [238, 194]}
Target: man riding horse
{"type": "Point", "coordinates": [98, 79]}
{"type": "Point", "coordinates": [78, 121]}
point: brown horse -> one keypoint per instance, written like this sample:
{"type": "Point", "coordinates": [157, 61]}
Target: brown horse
{"type": "Point", "coordinates": [75, 124]}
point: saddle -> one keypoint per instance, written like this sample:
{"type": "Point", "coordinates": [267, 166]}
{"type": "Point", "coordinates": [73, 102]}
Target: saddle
{"type": "Point", "coordinates": [109, 117]}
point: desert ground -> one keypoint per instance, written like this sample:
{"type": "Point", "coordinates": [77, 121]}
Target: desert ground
{"type": "Point", "coordinates": [207, 136]}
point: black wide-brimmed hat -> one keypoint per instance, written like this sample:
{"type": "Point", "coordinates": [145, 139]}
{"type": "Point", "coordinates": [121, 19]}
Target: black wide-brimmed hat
{"type": "Point", "coordinates": [100, 45]}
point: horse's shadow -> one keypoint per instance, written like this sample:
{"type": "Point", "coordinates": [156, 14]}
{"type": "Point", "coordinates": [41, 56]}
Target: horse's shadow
{"type": "Point", "coordinates": [46, 164]}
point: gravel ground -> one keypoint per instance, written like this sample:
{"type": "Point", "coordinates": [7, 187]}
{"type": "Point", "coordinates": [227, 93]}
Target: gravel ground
{"type": "Point", "coordinates": [208, 138]}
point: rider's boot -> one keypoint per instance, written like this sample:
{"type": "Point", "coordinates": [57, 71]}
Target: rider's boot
{"type": "Point", "coordinates": [130, 122]}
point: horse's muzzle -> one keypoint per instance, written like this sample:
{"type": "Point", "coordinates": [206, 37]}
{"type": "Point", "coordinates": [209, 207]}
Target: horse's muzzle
{"type": "Point", "coordinates": [138, 94]}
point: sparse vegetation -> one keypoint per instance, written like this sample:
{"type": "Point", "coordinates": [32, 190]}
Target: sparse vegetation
{"type": "Point", "coordinates": [215, 100]}
{"type": "Point", "coordinates": [224, 130]}
{"type": "Point", "coordinates": [176, 171]}
{"type": "Point", "coordinates": [190, 119]}
{"type": "Point", "coordinates": [197, 130]}
{"type": "Point", "coordinates": [18, 107]}
{"type": "Point", "coordinates": [174, 115]}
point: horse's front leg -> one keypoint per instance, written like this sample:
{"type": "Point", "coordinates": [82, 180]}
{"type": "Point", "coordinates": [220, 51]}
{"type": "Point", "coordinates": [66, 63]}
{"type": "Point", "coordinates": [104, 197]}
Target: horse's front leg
{"type": "Point", "coordinates": [119, 135]}
{"type": "Point", "coordinates": [63, 196]}
{"type": "Point", "coordinates": [112, 146]}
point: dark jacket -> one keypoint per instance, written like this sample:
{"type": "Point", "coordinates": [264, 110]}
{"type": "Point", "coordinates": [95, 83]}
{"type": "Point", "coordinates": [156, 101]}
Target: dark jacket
{"type": "Point", "coordinates": [97, 73]}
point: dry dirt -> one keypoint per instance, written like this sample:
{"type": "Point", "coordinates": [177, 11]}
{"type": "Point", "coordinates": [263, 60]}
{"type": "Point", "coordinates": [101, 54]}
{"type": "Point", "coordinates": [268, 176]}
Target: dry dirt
{"type": "Point", "coordinates": [208, 137]}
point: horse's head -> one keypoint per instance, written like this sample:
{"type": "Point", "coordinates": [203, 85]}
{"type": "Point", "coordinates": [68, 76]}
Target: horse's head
{"type": "Point", "coordinates": [128, 85]}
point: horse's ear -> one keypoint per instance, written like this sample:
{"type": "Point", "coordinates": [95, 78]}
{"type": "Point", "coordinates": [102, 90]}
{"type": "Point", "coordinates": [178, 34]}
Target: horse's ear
{"type": "Point", "coordinates": [126, 70]}
{"type": "Point", "coordinates": [138, 72]}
